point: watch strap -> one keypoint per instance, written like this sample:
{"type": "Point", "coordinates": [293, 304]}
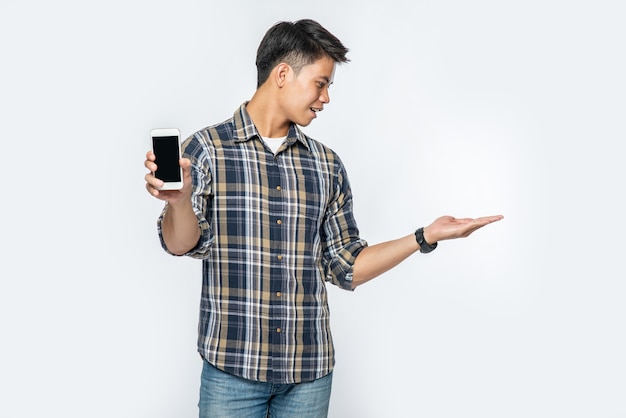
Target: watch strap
{"type": "Point", "coordinates": [425, 247]}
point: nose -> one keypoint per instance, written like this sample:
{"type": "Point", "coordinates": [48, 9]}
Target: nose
{"type": "Point", "coordinates": [325, 96]}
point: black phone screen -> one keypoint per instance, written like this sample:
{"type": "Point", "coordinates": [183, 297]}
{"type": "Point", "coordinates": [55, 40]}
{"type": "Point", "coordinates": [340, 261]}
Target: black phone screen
{"type": "Point", "coordinates": [167, 155]}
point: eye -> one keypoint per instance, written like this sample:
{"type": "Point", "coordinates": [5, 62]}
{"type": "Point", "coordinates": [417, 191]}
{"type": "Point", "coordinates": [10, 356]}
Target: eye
{"type": "Point", "coordinates": [321, 84]}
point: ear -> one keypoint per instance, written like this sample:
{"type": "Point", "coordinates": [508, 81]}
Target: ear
{"type": "Point", "coordinates": [281, 74]}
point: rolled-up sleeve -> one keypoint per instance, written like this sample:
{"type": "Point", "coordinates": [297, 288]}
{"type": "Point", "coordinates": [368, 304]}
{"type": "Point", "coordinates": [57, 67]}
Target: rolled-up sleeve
{"type": "Point", "coordinates": [341, 243]}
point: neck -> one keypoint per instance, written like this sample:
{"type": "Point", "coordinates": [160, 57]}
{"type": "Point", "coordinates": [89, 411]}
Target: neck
{"type": "Point", "coordinates": [266, 116]}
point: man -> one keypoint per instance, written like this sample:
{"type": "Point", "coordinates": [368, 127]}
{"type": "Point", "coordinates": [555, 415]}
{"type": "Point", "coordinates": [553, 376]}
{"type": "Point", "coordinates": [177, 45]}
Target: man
{"type": "Point", "coordinates": [269, 212]}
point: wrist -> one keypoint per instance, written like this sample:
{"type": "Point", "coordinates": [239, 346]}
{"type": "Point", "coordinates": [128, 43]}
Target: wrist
{"type": "Point", "coordinates": [428, 237]}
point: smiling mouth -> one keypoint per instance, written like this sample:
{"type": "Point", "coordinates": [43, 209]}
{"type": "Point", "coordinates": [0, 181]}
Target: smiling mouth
{"type": "Point", "coordinates": [316, 110]}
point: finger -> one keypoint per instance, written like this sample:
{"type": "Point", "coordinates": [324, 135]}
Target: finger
{"type": "Point", "coordinates": [153, 181]}
{"type": "Point", "coordinates": [481, 222]}
{"type": "Point", "coordinates": [185, 164]}
{"type": "Point", "coordinates": [150, 165]}
{"type": "Point", "coordinates": [152, 190]}
{"type": "Point", "coordinates": [489, 219]}
{"type": "Point", "coordinates": [150, 155]}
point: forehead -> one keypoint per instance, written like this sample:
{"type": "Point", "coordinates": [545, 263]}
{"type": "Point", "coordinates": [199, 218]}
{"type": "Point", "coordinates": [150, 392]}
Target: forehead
{"type": "Point", "coordinates": [322, 68]}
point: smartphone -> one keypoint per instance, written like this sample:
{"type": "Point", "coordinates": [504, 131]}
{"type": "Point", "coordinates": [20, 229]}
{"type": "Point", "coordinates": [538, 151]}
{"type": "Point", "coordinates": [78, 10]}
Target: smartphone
{"type": "Point", "coordinates": [166, 148]}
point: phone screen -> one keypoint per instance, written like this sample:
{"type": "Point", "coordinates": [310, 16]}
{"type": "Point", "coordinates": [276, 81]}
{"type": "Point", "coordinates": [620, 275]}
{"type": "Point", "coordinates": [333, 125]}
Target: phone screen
{"type": "Point", "coordinates": [167, 155]}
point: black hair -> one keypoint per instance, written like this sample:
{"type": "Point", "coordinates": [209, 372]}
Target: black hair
{"type": "Point", "coordinates": [298, 44]}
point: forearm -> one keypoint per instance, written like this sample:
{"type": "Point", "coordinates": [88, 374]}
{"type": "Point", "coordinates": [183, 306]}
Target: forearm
{"type": "Point", "coordinates": [180, 227]}
{"type": "Point", "coordinates": [375, 260]}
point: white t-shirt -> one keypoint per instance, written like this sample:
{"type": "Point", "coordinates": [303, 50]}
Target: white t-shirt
{"type": "Point", "coordinates": [274, 143]}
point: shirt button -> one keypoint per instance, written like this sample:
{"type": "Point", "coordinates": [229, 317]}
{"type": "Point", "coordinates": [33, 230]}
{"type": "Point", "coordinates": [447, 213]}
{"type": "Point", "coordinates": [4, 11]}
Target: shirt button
{"type": "Point", "coordinates": [280, 257]}
{"type": "Point", "coordinates": [278, 188]}
{"type": "Point", "coordinates": [278, 294]}
{"type": "Point", "coordinates": [278, 330]}
{"type": "Point", "coordinates": [279, 222]}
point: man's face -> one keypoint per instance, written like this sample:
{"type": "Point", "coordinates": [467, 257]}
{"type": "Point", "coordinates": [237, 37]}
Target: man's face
{"type": "Point", "coordinates": [306, 94]}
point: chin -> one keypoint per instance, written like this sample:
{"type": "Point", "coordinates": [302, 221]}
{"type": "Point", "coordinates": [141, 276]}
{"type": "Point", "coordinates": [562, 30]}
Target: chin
{"type": "Point", "coordinates": [306, 121]}
{"type": "Point", "coordinates": [302, 119]}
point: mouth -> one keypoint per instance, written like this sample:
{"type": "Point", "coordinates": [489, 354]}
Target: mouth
{"type": "Point", "coordinates": [315, 111]}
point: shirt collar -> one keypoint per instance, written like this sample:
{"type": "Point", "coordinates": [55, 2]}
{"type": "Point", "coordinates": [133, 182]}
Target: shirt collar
{"type": "Point", "coordinates": [245, 129]}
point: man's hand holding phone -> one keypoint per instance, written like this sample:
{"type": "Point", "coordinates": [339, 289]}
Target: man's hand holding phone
{"type": "Point", "coordinates": [179, 225]}
{"type": "Point", "coordinates": [154, 185]}
{"type": "Point", "coordinates": [169, 178]}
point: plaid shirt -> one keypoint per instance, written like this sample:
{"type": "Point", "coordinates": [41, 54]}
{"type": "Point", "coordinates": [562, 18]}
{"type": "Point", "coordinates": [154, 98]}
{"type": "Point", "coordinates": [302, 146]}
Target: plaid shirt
{"type": "Point", "coordinates": [274, 229]}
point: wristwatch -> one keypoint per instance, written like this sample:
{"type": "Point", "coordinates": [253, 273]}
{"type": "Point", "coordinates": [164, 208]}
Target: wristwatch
{"type": "Point", "coordinates": [425, 247]}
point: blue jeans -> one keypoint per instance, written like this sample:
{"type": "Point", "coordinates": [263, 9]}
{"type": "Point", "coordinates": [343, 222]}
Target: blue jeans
{"type": "Point", "coordinates": [223, 395]}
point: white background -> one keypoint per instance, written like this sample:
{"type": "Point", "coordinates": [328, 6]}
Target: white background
{"type": "Point", "coordinates": [448, 107]}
